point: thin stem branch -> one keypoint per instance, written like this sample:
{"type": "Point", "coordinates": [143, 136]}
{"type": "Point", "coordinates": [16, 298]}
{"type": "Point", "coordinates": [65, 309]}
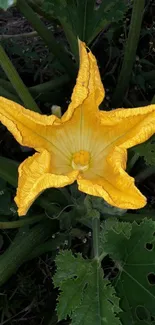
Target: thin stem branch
{"type": "Point", "coordinates": [21, 35]}
{"type": "Point", "coordinates": [130, 52]}
{"type": "Point", "coordinates": [143, 174]}
{"type": "Point", "coordinates": [21, 222]}
{"type": "Point", "coordinates": [130, 217]}
{"type": "Point", "coordinates": [37, 89]}
{"type": "Point", "coordinates": [50, 85]}
{"type": "Point", "coordinates": [5, 93]}
{"type": "Point", "coordinates": [153, 100]}
{"type": "Point", "coordinates": [132, 162]}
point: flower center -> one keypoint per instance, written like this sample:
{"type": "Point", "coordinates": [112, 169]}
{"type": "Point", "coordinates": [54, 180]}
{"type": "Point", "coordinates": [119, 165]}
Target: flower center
{"type": "Point", "coordinates": [80, 160]}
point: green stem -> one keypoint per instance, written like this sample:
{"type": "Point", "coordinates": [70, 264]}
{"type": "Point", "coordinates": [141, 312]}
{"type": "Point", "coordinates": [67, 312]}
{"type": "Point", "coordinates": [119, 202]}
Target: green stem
{"type": "Point", "coordinates": [35, 90]}
{"type": "Point", "coordinates": [37, 7]}
{"type": "Point", "coordinates": [147, 172]}
{"type": "Point", "coordinates": [48, 38]}
{"type": "Point", "coordinates": [130, 52]}
{"type": "Point", "coordinates": [21, 222]}
{"type": "Point", "coordinates": [17, 82]}
{"type": "Point", "coordinates": [130, 217]}
{"type": "Point", "coordinates": [5, 93]}
{"type": "Point", "coordinates": [153, 100]}
{"type": "Point", "coordinates": [66, 25]}
{"type": "Point", "coordinates": [9, 170]}
{"type": "Point", "coordinates": [132, 162]}
{"type": "Point", "coordinates": [22, 246]}
{"type": "Point", "coordinates": [51, 245]}
{"type": "Point", "coordinates": [149, 75]}
{"type": "Point", "coordinates": [21, 35]}
{"type": "Point", "coordinates": [96, 236]}
{"type": "Point", "coordinates": [7, 85]}
{"type": "Point", "coordinates": [49, 85]}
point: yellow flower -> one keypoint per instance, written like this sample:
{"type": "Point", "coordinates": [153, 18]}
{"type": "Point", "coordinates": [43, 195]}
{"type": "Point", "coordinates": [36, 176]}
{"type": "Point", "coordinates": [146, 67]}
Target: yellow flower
{"type": "Point", "coordinates": [85, 144]}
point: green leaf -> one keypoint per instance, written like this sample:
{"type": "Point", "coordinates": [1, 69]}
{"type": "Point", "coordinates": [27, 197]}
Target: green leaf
{"type": "Point", "coordinates": [83, 19]}
{"type": "Point", "coordinates": [109, 11]}
{"type": "Point", "coordinates": [85, 296]}
{"type": "Point", "coordinates": [5, 4]}
{"type": "Point", "coordinates": [146, 150]}
{"type": "Point", "coordinates": [133, 252]}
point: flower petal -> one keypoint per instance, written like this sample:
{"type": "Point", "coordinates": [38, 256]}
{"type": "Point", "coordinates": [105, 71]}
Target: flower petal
{"type": "Point", "coordinates": [128, 127]}
{"type": "Point", "coordinates": [113, 183]}
{"type": "Point", "coordinates": [29, 128]}
{"type": "Point", "coordinates": [35, 176]}
{"type": "Point", "coordinates": [88, 85]}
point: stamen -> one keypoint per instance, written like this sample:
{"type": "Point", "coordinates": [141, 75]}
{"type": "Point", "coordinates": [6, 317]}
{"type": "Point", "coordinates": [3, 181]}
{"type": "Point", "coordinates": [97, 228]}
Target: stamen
{"type": "Point", "coordinates": [80, 160]}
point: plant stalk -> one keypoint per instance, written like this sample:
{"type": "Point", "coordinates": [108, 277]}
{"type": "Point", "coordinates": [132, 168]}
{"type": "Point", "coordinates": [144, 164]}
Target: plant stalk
{"type": "Point", "coordinates": [5, 93]}
{"type": "Point", "coordinates": [138, 217]}
{"type": "Point", "coordinates": [153, 100]}
{"type": "Point", "coordinates": [130, 52]}
{"type": "Point", "coordinates": [22, 246]}
{"type": "Point", "coordinates": [132, 162]}
{"type": "Point", "coordinates": [17, 82]}
{"type": "Point", "coordinates": [143, 174]}
{"type": "Point", "coordinates": [7, 90]}
{"type": "Point", "coordinates": [21, 222]}
{"type": "Point", "coordinates": [49, 85]}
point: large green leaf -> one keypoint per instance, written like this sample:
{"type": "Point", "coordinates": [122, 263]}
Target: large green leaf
{"type": "Point", "coordinates": [109, 11]}
{"type": "Point", "coordinates": [82, 19]}
{"type": "Point", "coordinates": [133, 251]}
{"type": "Point", "coordinates": [147, 150]}
{"type": "Point", "coordinates": [85, 296]}
{"type": "Point", "coordinates": [5, 4]}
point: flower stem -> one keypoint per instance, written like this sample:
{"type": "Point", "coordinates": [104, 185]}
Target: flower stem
{"type": "Point", "coordinates": [48, 38]}
{"type": "Point", "coordinates": [37, 89]}
{"type": "Point", "coordinates": [132, 162]}
{"type": "Point", "coordinates": [130, 52]}
{"type": "Point", "coordinates": [17, 82]}
{"type": "Point", "coordinates": [21, 222]}
{"type": "Point", "coordinates": [49, 85]}
{"type": "Point", "coordinates": [22, 246]}
{"type": "Point", "coordinates": [153, 100]}
{"type": "Point", "coordinates": [5, 93]}
{"type": "Point", "coordinates": [143, 174]}
{"type": "Point", "coordinates": [138, 217]}
{"type": "Point", "coordinates": [96, 236]}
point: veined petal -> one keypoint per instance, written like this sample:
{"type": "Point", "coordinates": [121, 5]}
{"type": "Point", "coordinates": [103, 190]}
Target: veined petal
{"type": "Point", "coordinates": [113, 183]}
{"type": "Point", "coordinates": [29, 128]}
{"type": "Point", "coordinates": [88, 91]}
{"type": "Point", "coordinates": [128, 127]}
{"type": "Point", "coordinates": [35, 175]}
{"type": "Point", "coordinates": [95, 84]}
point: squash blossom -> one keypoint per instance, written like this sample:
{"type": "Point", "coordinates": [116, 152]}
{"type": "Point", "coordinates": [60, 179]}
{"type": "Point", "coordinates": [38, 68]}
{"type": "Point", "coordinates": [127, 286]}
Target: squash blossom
{"type": "Point", "coordinates": [86, 144]}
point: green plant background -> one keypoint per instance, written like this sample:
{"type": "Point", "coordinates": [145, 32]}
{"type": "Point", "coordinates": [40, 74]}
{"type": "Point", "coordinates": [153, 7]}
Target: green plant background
{"type": "Point", "coordinates": [73, 258]}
